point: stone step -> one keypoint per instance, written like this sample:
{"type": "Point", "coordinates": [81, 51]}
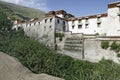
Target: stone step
{"type": "Point", "coordinates": [74, 45]}
{"type": "Point", "coordinates": [74, 38]}
{"type": "Point", "coordinates": [73, 49]}
{"type": "Point", "coordinates": [74, 42]}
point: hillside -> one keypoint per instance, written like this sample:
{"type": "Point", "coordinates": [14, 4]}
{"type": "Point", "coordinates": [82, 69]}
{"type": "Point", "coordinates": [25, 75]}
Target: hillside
{"type": "Point", "coordinates": [20, 12]}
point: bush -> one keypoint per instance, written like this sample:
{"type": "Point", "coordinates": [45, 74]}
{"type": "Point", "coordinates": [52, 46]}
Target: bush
{"type": "Point", "coordinates": [60, 35]}
{"type": "Point", "coordinates": [118, 55]}
{"type": "Point", "coordinates": [114, 46]}
{"type": "Point", "coordinates": [105, 44]}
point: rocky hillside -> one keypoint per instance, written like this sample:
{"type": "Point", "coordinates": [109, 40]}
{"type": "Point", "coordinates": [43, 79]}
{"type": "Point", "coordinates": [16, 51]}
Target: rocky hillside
{"type": "Point", "coordinates": [12, 69]}
{"type": "Point", "coordinates": [20, 12]}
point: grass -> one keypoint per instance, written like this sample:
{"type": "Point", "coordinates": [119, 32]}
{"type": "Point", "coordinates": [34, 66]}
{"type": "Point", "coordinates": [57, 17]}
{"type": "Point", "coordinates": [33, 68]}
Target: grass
{"type": "Point", "coordinates": [40, 59]}
{"type": "Point", "coordinates": [18, 11]}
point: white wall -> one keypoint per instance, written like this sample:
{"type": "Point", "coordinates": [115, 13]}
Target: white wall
{"type": "Point", "coordinates": [43, 32]}
{"type": "Point", "coordinates": [113, 22]}
{"type": "Point", "coordinates": [60, 15]}
{"type": "Point", "coordinates": [92, 26]}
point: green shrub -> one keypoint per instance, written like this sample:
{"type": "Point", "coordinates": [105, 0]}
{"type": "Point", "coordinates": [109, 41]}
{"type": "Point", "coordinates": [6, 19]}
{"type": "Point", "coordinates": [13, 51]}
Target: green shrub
{"type": "Point", "coordinates": [114, 46]}
{"type": "Point", "coordinates": [105, 44]}
{"type": "Point", "coordinates": [118, 55]}
{"type": "Point", "coordinates": [60, 35]}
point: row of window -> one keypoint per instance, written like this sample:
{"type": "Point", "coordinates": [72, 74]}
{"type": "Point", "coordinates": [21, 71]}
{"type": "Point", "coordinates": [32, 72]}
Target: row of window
{"type": "Point", "coordinates": [80, 20]}
{"type": "Point", "coordinates": [86, 26]}
{"type": "Point", "coordinates": [49, 20]}
{"type": "Point", "coordinates": [58, 21]}
{"type": "Point", "coordinates": [49, 27]}
{"type": "Point", "coordinates": [34, 24]}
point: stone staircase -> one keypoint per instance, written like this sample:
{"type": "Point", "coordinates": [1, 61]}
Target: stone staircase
{"type": "Point", "coordinates": [74, 44]}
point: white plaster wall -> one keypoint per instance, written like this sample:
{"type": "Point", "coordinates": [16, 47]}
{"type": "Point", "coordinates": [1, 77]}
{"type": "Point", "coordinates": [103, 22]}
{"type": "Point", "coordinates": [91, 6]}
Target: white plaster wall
{"type": "Point", "coordinates": [42, 32]}
{"type": "Point", "coordinates": [92, 26]}
{"type": "Point", "coordinates": [60, 15]}
{"type": "Point", "coordinates": [113, 22]}
{"type": "Point", "coordinates": [94, 53]}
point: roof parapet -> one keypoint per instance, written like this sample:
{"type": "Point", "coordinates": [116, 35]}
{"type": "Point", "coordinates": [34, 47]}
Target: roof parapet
{"type": "Point", "coordinates": [114, 4]}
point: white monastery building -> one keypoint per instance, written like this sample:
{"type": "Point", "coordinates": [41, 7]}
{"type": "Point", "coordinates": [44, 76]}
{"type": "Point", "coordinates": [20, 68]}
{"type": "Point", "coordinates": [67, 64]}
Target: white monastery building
{"type": "Point", "coordinates": [82, 36]}
{"type": "Point", "coordinates": [105, 24]}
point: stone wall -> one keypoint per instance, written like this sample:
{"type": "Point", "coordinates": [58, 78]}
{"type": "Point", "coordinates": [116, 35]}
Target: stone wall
{"type": "Point", "coordinates": [85, 47]}
{"type": "Point", "coordinates": [43, 30]}
{"type": "Point", "coordinates": [72, 45]}
{"type": "Point", "coordinates": [94, 53]}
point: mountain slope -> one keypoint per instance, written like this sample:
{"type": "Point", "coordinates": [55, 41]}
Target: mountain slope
{"type": "Point", "coordinates": [20, 12]}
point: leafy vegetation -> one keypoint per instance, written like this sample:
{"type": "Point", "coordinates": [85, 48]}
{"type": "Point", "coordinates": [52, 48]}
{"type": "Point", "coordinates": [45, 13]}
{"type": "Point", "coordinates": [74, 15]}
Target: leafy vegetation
{"type": "Point", "coordinates": [115, 46]}
{"type": "Point", "coordinates": [40, 59]}
{"type": "Point", "coordinates": [118, 55]}
{"type": "Point", "coordinates": [60, 35]}
{"type": "Point", "coordinates": [5, 24]}
{"type": "Point", "coordinates": [105, 44]}
{"type": "Point", "coordinates": [20, 12]}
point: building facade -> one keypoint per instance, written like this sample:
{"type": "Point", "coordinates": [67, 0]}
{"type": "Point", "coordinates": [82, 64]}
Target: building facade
{"type": "Point", "coordinates": [105, 24]}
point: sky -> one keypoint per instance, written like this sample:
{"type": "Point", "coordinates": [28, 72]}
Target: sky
{"type": "Point", "coordinates": [75, 7]}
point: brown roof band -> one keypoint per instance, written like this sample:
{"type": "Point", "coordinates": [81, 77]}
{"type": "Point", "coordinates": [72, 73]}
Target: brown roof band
{"type": "Point", "coordinates": [89, 17]}
{"type": "Point", "coordinates": [112, 5]}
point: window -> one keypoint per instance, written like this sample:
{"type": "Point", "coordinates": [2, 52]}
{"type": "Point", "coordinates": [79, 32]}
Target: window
{"type": "Point", "coordinates": [39, 23]}
{"type": "Point", "coordinates": [19, 28]}
{"type": "Point", "coordinates": [65, 16]}
{"type": "Point", "coordinates": [79, 26]}
{"type": "Point", "coordinates": [26, 25]}
{"type": "Point", "coordinates": [49, 26]}
{"type": "Point", "coordinates": [73, 22]}
{"type": "Point", "coordinates": [63, 22]}
{"type": "Point", "coordinates": [34, 23]}
{"type": "Point", "coordinates": [73, 27]}
{"type": "Point", "coordinates": [51, 20]}
{"type": "Point", "coordinates": [87, 22]}
{"type": "Point", "coordinates": [119, 13]}
{"type": "Point", "coordinates": [58, 21]}
{"type": "Point", "coordinates": [45, 20]}
{"type": "Point", "coordinates": [44, 26]}
{"type": "Point", "coordinates": [98, 19]}
{"type": "Point", "coordinates": [98, 24]}
{"type": "Point", "coordinates": [86, 25]}
{"type": "Point", "coordinates": [79, 21]}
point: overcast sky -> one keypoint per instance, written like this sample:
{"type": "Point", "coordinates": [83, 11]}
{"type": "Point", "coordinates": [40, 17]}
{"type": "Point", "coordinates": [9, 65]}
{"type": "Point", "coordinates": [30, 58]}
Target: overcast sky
{"type": "Point", "coordinates": [75, 7]}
